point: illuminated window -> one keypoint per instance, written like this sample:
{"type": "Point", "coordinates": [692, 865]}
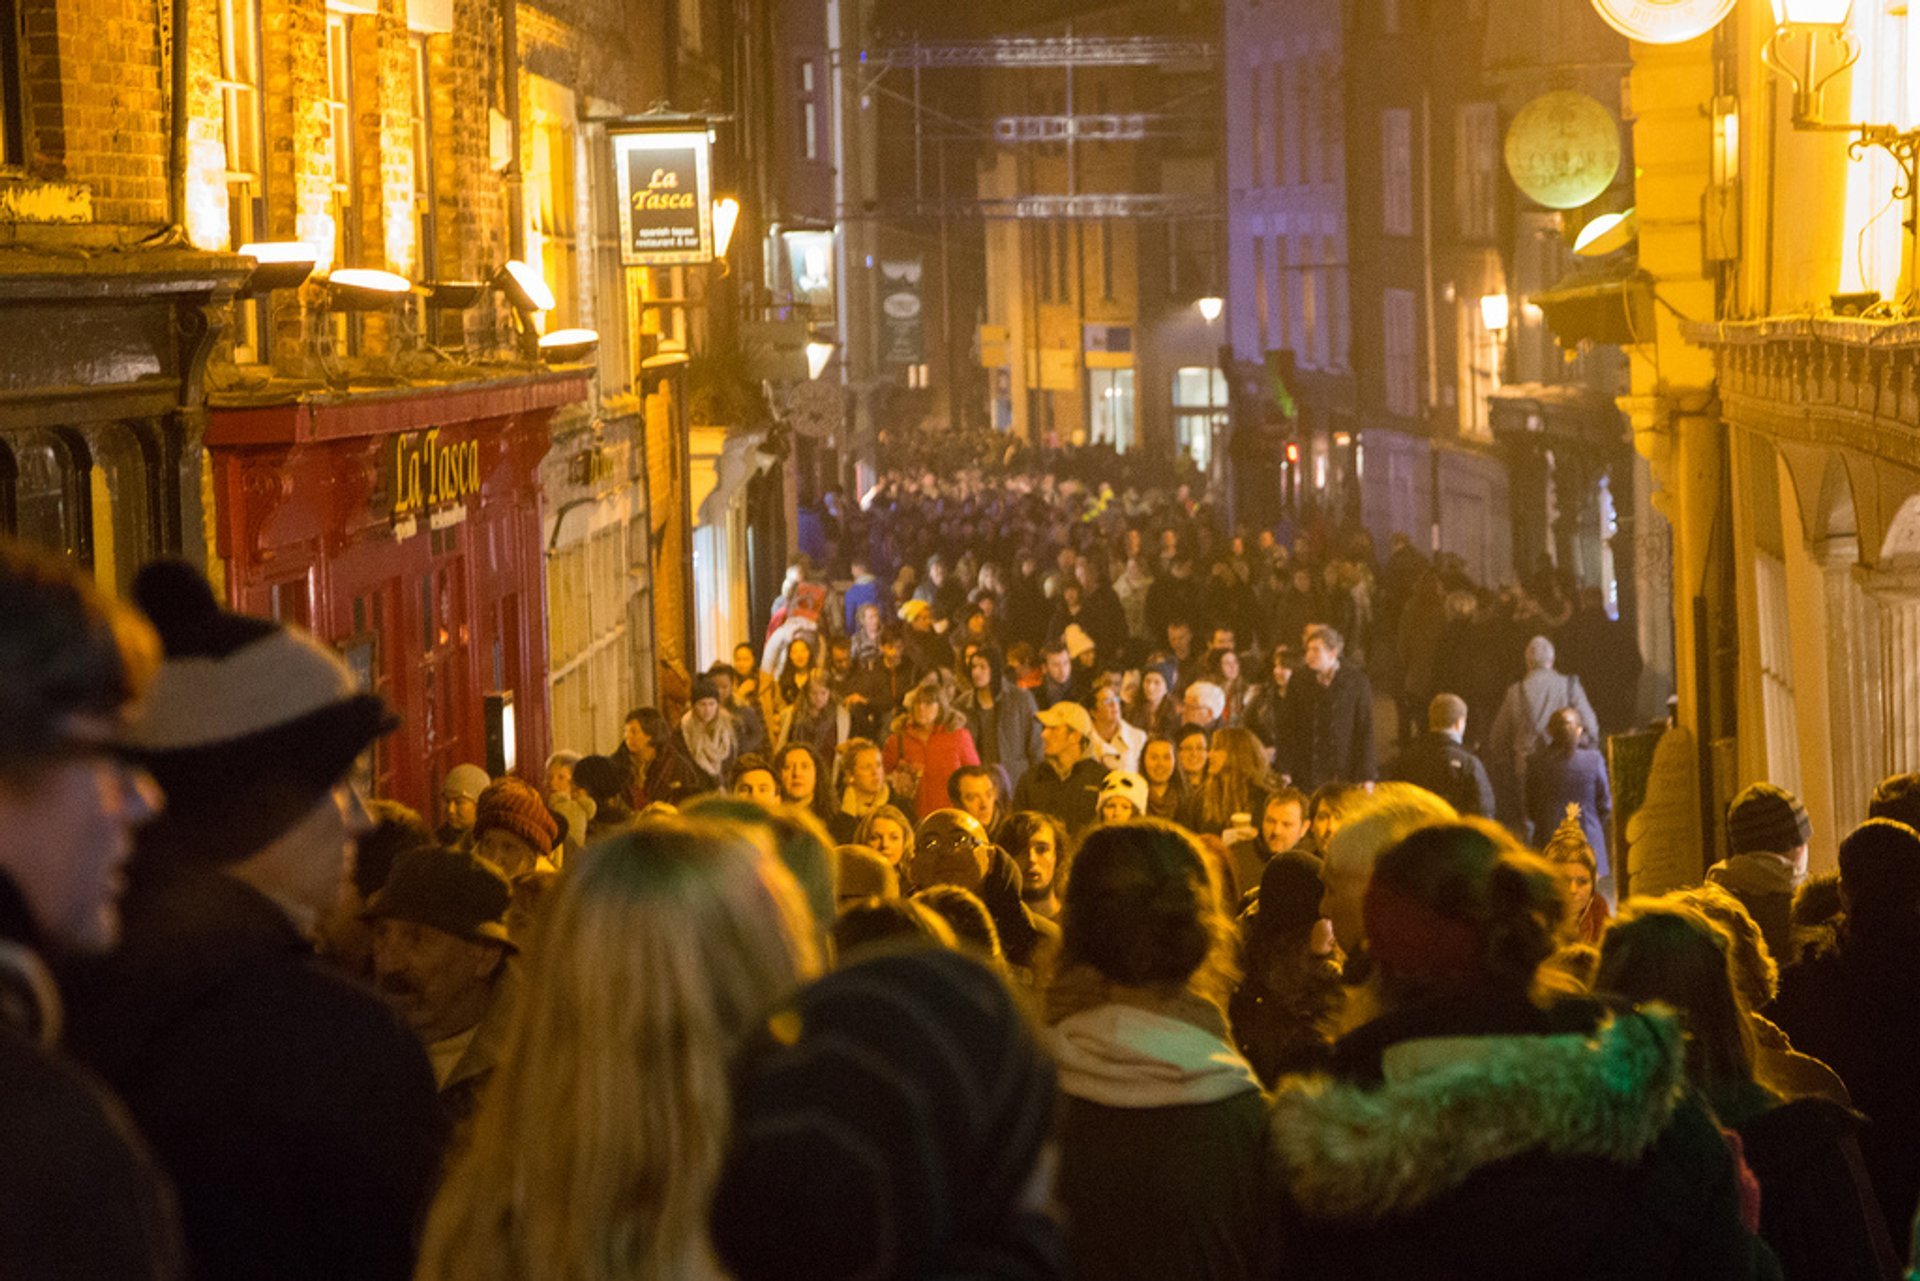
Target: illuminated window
{"type": "Point", "coordinates": [1199, 410]}
{"type": "Point", "coordinates": [1260, 302]}
{"type": "Point", "coordinates": [340, 132]}
{"type": "Point", "coordinates": [1111, 408]}
{"type": "Point", "coordinates": [423, 159]}
{"type": "Point", "coordinates": [552, 229]}
{"type": "Point", "coordinates": [241, 122]}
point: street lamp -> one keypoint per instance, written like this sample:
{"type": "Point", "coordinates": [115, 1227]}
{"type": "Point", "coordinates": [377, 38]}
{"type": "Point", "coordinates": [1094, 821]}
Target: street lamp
{"type": "Point", "coordinates": [1210, 307]}
{"type": "Point", "coordinates": [1495, 312]}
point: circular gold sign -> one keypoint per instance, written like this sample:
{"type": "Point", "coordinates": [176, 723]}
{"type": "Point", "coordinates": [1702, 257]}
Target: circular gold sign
{"type": "Point", "coordinates": [1563, 149]}
{"type": "Point", "coordinates": [1663, 21]}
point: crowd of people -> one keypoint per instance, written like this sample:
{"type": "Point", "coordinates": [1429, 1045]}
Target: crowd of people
{"type": "Point", "coordinates": [1062, 912]}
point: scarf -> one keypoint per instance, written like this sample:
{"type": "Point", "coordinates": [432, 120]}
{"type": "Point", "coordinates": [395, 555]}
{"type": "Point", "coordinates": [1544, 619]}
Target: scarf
{"type": "Point", "coordinates": [710, 745]}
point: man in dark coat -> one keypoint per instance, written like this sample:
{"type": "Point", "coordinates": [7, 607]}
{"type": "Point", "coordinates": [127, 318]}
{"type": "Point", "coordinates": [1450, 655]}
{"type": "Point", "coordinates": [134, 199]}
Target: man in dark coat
{"type": "Point", "coordinates": [79, 1195]}
{"type": "Point", "coordinates": [295, 1113]}
{"type": "Point", "coordinates": [1329, 735]}
{"type": "Point", "coordinates": [1065, 782]}
{"type": "Point", "coordinates": [1856, 1007]}
{"type": "Point", "coordinates": [1437, 761]}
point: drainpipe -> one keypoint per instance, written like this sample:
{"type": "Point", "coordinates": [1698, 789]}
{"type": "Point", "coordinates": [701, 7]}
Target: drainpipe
{"type": "Point", "coordinates": [516, 190]}
{"type": "Point", "coordinates": [177, 121]}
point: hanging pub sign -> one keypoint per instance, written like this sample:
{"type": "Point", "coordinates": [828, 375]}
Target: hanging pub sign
{"type": "Point", "coordinates": [1563, 149]}
{"type": "Point", "coordinates": [1663, 21]}
{"type": "Point", "coordinates": [902, 327]}
{"type": "Point", "coordinates": [664, 179]}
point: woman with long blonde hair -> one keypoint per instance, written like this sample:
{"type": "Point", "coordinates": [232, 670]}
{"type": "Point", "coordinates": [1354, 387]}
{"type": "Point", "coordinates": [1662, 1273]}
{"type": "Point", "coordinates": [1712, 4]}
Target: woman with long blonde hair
{"type": "Point", "coordinates": [598, 1141]}
{"type": "Point", "coordinates": [1237, 780]}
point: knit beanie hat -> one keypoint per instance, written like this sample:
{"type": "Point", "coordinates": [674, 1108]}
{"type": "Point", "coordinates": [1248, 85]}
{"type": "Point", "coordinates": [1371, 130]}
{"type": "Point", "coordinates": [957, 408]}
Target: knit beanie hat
{"type": "Point", "coordinates": [704, 687]}
{"type": "Point", "coordinates": [1766, 819]}
{"type": "Point", "coordinates": [464, 782]}
{"type": "Point", "coordinates": [1128, 786]}
{"type": "Point", "coordinates": [1290, 891]}
{"type": "Point", "coordinates": [912, 1094]}
{"type": "Point", "coordinates": [248, 724]}
{"type": "Point", "coordinates": [602, 778]}
{"type": "Point", "coordinates": [512, 805]}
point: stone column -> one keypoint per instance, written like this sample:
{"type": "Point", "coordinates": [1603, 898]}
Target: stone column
{"type": "Point", "coordinates": [1854, 714]}
{"type": "Point", "coordinates": [1895, 590]}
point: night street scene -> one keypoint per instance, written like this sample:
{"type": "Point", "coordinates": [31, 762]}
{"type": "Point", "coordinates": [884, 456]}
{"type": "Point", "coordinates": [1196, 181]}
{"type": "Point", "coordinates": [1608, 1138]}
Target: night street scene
{"type": "Point", "coordinates": [981, 640]}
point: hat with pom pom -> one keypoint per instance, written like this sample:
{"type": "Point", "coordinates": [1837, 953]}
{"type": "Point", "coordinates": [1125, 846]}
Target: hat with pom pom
{"type": "Point", "coordinates": [248, 723]}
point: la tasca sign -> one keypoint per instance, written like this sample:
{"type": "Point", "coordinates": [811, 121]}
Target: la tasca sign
{"type": "Point", "coordinates": [666, 196]}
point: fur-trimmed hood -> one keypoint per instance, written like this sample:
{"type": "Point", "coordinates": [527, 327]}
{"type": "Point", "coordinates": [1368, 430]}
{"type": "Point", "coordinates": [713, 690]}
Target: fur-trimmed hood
{"type": "Point", "coordinates": [1453, 1106]}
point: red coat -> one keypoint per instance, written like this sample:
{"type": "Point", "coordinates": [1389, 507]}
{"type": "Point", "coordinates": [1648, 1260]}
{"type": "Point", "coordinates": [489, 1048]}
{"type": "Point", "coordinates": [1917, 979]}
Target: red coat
{"type": "Point", "coordinates": [936, 755]}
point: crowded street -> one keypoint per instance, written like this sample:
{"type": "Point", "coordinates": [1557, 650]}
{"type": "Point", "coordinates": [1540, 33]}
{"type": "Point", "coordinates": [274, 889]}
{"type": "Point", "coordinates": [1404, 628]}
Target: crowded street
{"type": "Point", "coordinates": [1032, 640]}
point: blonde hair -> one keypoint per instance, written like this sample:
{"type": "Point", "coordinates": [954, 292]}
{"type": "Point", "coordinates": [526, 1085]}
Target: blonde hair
{"type": "Point", "coordinates": [598, 1141]}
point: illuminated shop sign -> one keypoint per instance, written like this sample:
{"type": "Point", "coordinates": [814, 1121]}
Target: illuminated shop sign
{"type": "Point", "coordinates": [664, 178]}
{"type": "Point", "coordinates": [1663, 21]}
{"type": "Point", "coordinates": [429, 470]}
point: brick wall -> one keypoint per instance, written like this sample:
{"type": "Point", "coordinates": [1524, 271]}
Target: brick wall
{"type": "Point", "coordinates": [95, 106]}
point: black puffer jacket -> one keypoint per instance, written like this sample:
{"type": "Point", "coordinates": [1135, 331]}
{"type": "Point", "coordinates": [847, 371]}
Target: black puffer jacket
{"type": "Point", "coordinates": [1517, 1155]}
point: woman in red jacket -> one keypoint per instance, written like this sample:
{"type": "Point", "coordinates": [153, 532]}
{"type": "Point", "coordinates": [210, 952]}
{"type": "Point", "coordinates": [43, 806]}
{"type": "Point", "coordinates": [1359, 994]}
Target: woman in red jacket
{"type": "Point", "coordinates": [927, 745]}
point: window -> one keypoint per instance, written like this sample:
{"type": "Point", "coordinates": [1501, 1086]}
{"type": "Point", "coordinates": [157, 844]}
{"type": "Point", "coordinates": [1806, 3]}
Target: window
{"type": "Point", "coordinates": [49, 496]}
{"type": "Point", "coordinates": [1283, 295]}
{"type": "Point", "coordinates": [1257, 141]}
{"type": "Point", "coordinates": [424, 258]}
{"type": "Point", "coordinates": [1476, 130]}
{"type": "Point", "coordinates": [1199, 409]}
{"type": "Point", "coordinates": [809, 110]}
{"type": "Point", "coordinates": [1260, 301]}
{"type": "Point", "coordinates": [13, 109]}
{"type": "Point", "coordinates": [242, 124]}
{"type": "Point", "coordinates": [1111, 408]}
{"type": "Point", "coordinates": [1397, 345]}
{"type": "Point", "coordinates": [552, 230]}
{"type": "Point", "coordinates": [1333, 120]}
{"type": "Point", "coordinates": [1282, 122]}
{"type": "Point", "coordinates": [340, 131]}
{"type": "Point", "coordinates": [1396, 150]}
{"type": "Point", "coordinates": [1308, 271]}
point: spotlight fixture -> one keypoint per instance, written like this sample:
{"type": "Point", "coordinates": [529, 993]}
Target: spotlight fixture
{"type": "Point", "coordinates": [278, 264]}
{"type": "Point", "coordinates": [454, 295]}
{"type": "Point", "coordinates": [1210, 308]}
{"type": "Point", "coordinates": [819, 352]}
{"type": "Point", "coordinates": [1495, 312]}
{"type": "Point", "coordinates": [523, 286]}
{"type": "Point", "coordinates": [1607, 233]}
{"type": "Point", "coordinates": [568, 346]}
{"type": "Point", "coordinates": [366, 289]}
{"type": "Point", "coordinates": [726, 216]}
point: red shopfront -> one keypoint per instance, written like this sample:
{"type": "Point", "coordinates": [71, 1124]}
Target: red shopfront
{"type": "Point", "coordinates": [405, 529]}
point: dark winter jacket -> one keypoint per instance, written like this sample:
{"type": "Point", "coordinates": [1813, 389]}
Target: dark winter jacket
{"type": "Point", "coordinates": [1764, 883]}
{"type": "Point", "coordinates": [79, 1194]}
{"type": "Point", "coordinates": [1434, 761]}
{"type": "Point", "coordinates": [1007, 735]}
{"type": "Point", "coordinates": [1028, 940]}
{"type": "Point", "coordinates": [1556, 779]}
{"type": "Point", "coordinates": [1329, 734]}
{"type": "Point", "coordinates": [1163, 1131]}
{"type": "Point", "coordinates": [1073, 799]}
{"type": "Point", "coordinates": [296, 1115]}
{"type": "Point", "coordinates": [1856, 1008]}
{"type": "Point", "coordinates": [1817, 1207]}
{"type": "Point", "coordinates": [1499, 1152]}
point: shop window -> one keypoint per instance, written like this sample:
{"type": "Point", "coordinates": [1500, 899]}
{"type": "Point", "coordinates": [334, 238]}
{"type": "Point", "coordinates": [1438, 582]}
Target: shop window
{"type": "Point", "coordinates": [1111, 407]}
{"type": "Point", "coordinates": [52, 496]}
{"type": "Point", "coordinates": [124, 491]}
{"type": "Point", "coordinates": [1199, 409]}
{"type": "Point", "coordinates": [13, 111]}
{"type": "Point", "coordinates": [425, 260]}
